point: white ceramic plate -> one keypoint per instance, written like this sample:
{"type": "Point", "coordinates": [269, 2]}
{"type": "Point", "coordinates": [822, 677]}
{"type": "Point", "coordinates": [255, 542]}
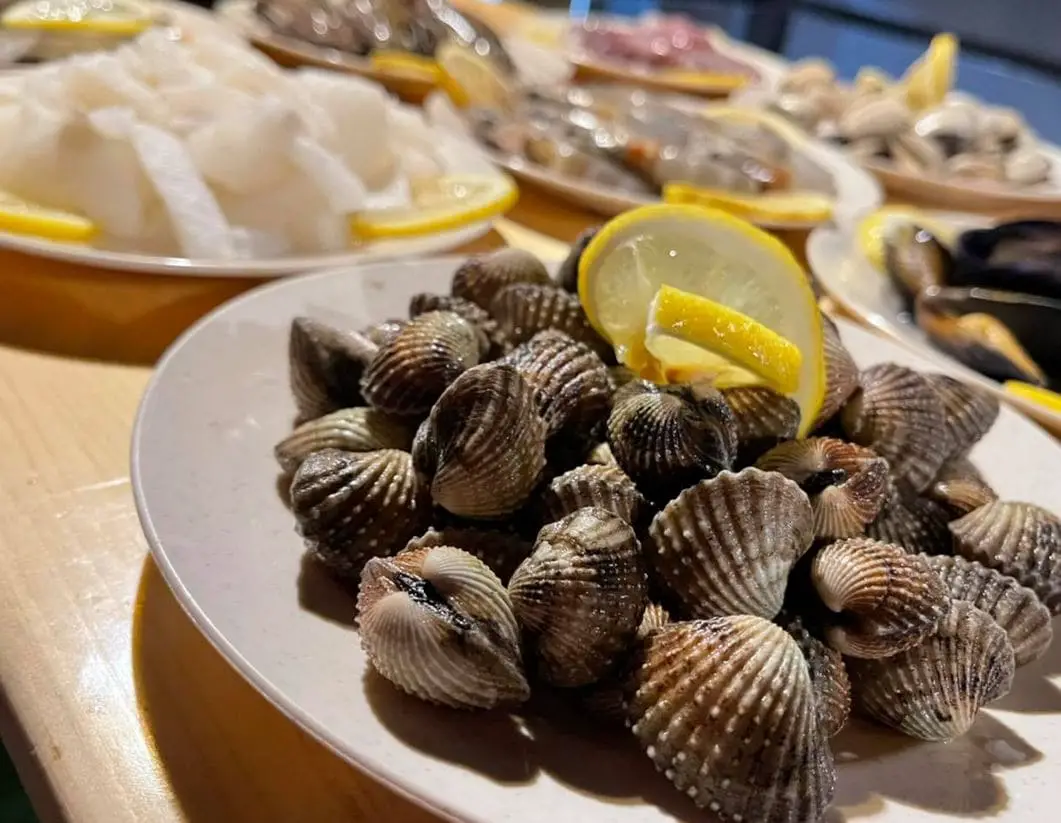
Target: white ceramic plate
{"type": "Point", "coordinates": [206, 490]}
{"type": "Point", "coordinates": [867, 293]}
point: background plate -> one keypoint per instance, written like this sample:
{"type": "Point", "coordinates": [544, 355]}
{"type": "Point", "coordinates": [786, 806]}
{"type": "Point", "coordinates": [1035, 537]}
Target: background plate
{"type": "Point", "coordinates": [206, 490]}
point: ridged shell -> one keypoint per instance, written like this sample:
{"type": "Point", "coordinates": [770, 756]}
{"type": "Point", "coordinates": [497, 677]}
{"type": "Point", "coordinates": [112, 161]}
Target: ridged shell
{"type": "Point", "coordinates": [959, 488]}
{"type": "Point", "coordinates": [725, 709]}
{"type": "Point", "coordinates": [384, 331]}
{"type": "Point", "coordinates": [570, 381]}
{"type": "Point", "coordinates": [360, 429]}
{"type": "Point", "coordinates": [481, 278]}
{"type": "Point", "coordinates": [580, 596]}
{"type": "Point", "coordinates": [602, 487]}
{"type": "Point", "coordinates": [886, 600]}
{"type": "Point", "coordinates": [846, 483]}
{"type": "Point", "coordinates": [325, 367]}
{"type": "Point", "coordinates": [354, 505]}
{"type": "Point", "coordinates": [619, 376]}
{"type": "Point", "coordinates": [601, 455]}
{"type": "Point", "coordinates": [898, 414]}
{"type": "Point", "coordinates": [483, 446]}
{"type": "Point", "coordinates": [969, 411]}
{"type": "Point", "coordinates": [525, 309]}
{"type": "Point", "coordinates": [501, 551]}
{"type": "Point", "coordinates": [411, 372]}
{"type": "Point", "coordinates": [1014, 607]}
{"type": "Point", "coordinates": [726, 546]}
{"type": "Point", "coordinates": [841, 373]}
{"type": "Point", "coordinates": [1020, 540]}
{"type": "Point", "coordinates": [764, 418]}
{"type": "Point", "coordinates": [828, 676]}
{"type": "Point", "coordinates": [567, 274]}
{"type": "Point", "coordinates": [438, 624]}
{"type": "Point", "coordinates": [918, 524]}
{"type": "Point", "coordinates": [934, 690]}
{"type": "Point", "coordinates": [495, 344]}
{"type": "Point", "coordinates": [667, 439]}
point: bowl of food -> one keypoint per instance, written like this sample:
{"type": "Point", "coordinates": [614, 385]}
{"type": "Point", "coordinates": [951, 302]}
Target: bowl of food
{"type": "Point", "coordinates": [417, 509]}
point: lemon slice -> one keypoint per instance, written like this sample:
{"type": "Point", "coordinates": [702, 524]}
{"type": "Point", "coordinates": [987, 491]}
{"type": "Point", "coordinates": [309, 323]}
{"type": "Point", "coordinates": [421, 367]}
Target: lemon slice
{"type": "Point", "coordinates": [18, 216]}
{"type": "Point", "coordinates": [771, 206]}
{"type": "Point", "coordinates": [873, 230]}
{"type": "Point", "coordinates": [1040, 396]}
{"type": "Point", "coordinates": [929, 79]}
{"type": "Point", "coordinates": [471, 79]}
{"type": "Point", "coordinates": [119, 18]}
{"type": "Point", "coordinates": [710, 254]}
{"type": "Point", "coordinates": [701, 80]}
{"type": "Point", "coordinates": [406, 66]}
{"type": "Point", "coordinates": [441, 204]}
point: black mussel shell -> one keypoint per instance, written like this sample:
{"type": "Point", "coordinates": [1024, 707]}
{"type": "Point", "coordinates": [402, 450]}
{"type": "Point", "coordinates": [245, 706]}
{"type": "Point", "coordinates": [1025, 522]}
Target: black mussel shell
{"type": "Point", "coordinates": [1023, 256]}
{"type": "Point", "coordinates": [915, 260]}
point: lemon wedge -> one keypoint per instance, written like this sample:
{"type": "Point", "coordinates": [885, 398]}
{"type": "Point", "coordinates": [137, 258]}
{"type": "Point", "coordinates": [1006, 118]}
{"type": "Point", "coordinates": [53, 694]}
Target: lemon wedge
{"type": "Point", "coordinates": [471, 79]}
{"type": "Point", "coordinates": [768, 207]}
{"type": "Point", "coordinates": [440, 204]}
{"type": "Point", "coordinates": [1040, 396]}
{"type": "Point", "coordinates": [710, 254]}
{"type": "Point", "coordinates": [118, 19]}
{"type": "Point", "coordinates": [929, 79]}
{"type": "Point", "coordinates": [18, 216]}
{"type": "Point", "coordinates": [872, 231]}
{"type": "Point", "coordinates": [406, 66]}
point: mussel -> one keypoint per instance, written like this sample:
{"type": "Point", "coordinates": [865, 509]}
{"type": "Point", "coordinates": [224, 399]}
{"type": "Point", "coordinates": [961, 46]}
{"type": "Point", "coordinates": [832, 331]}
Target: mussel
{"type": "Point", "coordinates": [914, 259]}
{"type": "Point", "coordinates": [1022, 256]}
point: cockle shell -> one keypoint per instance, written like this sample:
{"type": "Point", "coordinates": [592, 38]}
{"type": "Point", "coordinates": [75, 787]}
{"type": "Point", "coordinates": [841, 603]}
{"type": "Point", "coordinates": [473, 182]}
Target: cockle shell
{"type": "Point", "coordinates": [570, 381]}
{"type": "Point", "coordinates": [619, 376]}
{"type": "Point", "coordinates": [524, 309]}
{"type": "Point", "coordinates": [841, 373]}
{"type": "Point", "coordinates": [384, 331]}
{"type": "Point", "coordinates": [482, 448]}
{"type": "Point", "coordinates": [480, 318]}
{"type": "Point", "coordinates": [898, 414]}
{"type": "Point", "coordinates": [601, 455]}
{"type": "Point", "coordinates": [917, 524]}
{"type": "Point", "coordinates": [725, 708]}
{"type": "Point", "coordinates": [359, 429]}
{"type": "Point", "coordinates": [1014, 607]}
{"type": "Point", "coordinates": [602, 487]}
{"type": "Point", "coordinates": [501, 551]}
{"type": "Point", "coordinates": [846, 483]}
{"type": "Point", "coordinates": [959, 488]}
{"type": "Point", "coordinates": [934, 690]}
{"type": "Point", "coordinates": [408, 374]}
{"type": "Point", "coordinates": [438, 624]}
{"type": "Point", "coordinates": [969, 411]}
{"type": "Point", "coordinates": [874, 116]}
{"type": "Point", "coordinates": [1020, 540]}
{"type": "Point", "coordinates": [350, 506]}
{"type": "Point", "coordinates": [764, 418]}
{"type": "Point", "coordinates": [325, 366]}
{"type": "Point", "coordinates": [481, 278]}
{"type": "Point", "coordinates": [668, 438]}
{"type": "Point", "coordinates": [580, 596]}
{"type": "Point", "coordinates": [567, 274]}
{"type": "Point", "coordinates": [832, 688]}
{"type": "Point", "coordinates": [726, 545]}
{"type": "Point", "coordinates": [886, 599]}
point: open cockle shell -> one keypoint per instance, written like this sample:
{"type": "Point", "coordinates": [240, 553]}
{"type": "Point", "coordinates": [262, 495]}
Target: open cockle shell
{"type": "Point", "coordinates": [602, 487]}
{"type": "Point", "coordinates": [726, 545]}
{"type": "Point", "coordinates": [1020, 540]}
{"type": "Point", "coordinates": [1014, 607]}
{"type": "Point", "coordinates": [846, 483]}
{"type": "Point", "coordinates": [501, 551]}
{"type": "Point", "coordinates": [410, 372]}
{"type": "Point", "coordinates": [934, 690]}
{"type": "Point", "coordinates": [898, 414]}
{"type": "Point", "coordinates": [437, 623]}
{"type": "Point", "coordinates": [360, 429]}
{"type": "Point", "coordinates": [481, 278]}
{"type": "Point", "coordinates": [959, 488]}
{"type": "Point", "coordinates": [524, 309]}
{"type": "Point", "coordinates": [832, 688]}
{"type": "Point", "coordinates": [969, 411]}
{"type": "Point", "coordinates": [725, 708]}
{"type": "Point", "coordinates": [482, 448]}
{"type": "Point", "coordinates": [581, 595]}
{"type": "Point", "coordinates": [350, 506]}
{"type": "Point", "coordinates": [325, 366]}
{"type": "Point", "coordinates": [885, 599]}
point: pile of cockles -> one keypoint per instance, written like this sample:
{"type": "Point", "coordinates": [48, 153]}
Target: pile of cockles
{"type": "Point", "coordinates": [521, 514]}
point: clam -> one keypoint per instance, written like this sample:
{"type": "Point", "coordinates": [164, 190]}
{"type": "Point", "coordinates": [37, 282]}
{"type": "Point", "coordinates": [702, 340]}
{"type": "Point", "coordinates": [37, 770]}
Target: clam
{"type": "Point", "coordinates": [325, 366]}
{"type": "Point", "coordinates": [1014, 607]}
{"type": "Point", "coordinates": [524, 309]}
{"type": "Point", "coordinates": [359, 429]}
{"type": "Point", "coordinates": [959, 488]}
{"type": "Point", "coordinates": [482, 448]}
{"type": "Point", "coordinates": [764, 418]}
{"type": "Point", "coordinates": [384, 331]}
{"type": "Point", "coordinates": [914, 260]}
{"type": "Point", "coordinates": [668, 438]}
{"type": "Point", "coordinates": [934, 690]}
{"type": "Point", "coordinates": [846, 483]}
{"type": "Point", "coordinates": [725, 708]}
{"type": "Point", "coordinates": [494, 343]}
{"type": "Point", "coordinates": [410, 373]}
{"type": "Point", "coordinates": [952, 127]}
{"type": "Point", "coordinates": [1027, 167]}
{"type": "Point", "coordinates": [898, 414]}
{"type": "Point", "coordinates": [567, 274]}
{"type": "Point", "coordinates": [885, 600]}
{"type": "Point", "coordinates": [808, 74]}
{"type": "Point", "coordinates": [602, 487]}
{"type": "Point", "coordinates": [915, 154]}
{"type": "Point", "coordinates": [438, 624]}
{"type": "Point", "coordinates": [1018, 539]}
{"type": "Point", "coordinates": [580, 596]}
{"type": "Point", "coordinates": [1004, 127]}
{"type": "Point", "coordinates": [481, 278]}
{"type": "Point", "coordinates": [841, 373]}
{"type": "Point", "coordinates": [501, 551]}
{"type": "Point", "coordinates": [1022, 256]}
{"type": "Point", "coordinates": [970, 411]}
{"type": "Point", "coordinates": [350, 506]}
{"type": "Point", "coordinates": [569, 380]}
{"type": "Point", "coordinates": [874, 116]}
{"type": "Point", "coordinates": [975, 166]}
{"type": "Point", "coordinates": [916, 523]}
{"type": "Point", "coordinates": [726, 545]}
{"type": "Point", "coordinates": [832, 688]}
